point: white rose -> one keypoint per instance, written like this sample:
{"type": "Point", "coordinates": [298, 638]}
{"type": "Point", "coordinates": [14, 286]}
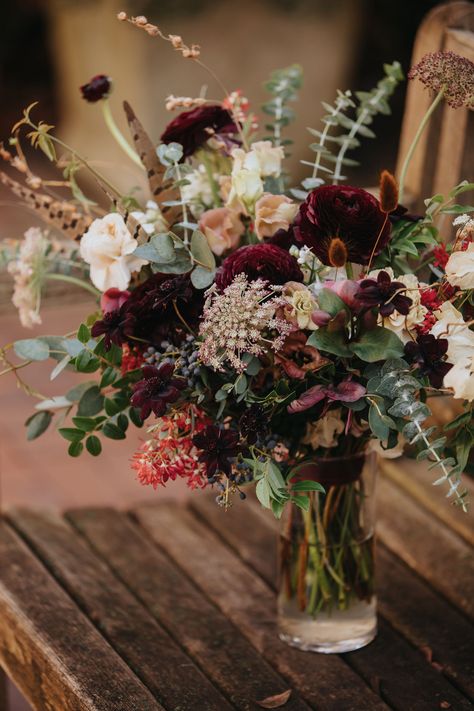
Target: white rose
{"type": "Point", "coordinates": [461, 378]}
{"type": "Point", "coordinates": [323, 433]}
{"type": "Point", "coordinates": [107, 247]}
{"type": "Point", "coordinates": [451, 325]}
{"type": "Point", "coordinates": [460, 268]}
{"type": "Point", "coordinates": [404, 326]}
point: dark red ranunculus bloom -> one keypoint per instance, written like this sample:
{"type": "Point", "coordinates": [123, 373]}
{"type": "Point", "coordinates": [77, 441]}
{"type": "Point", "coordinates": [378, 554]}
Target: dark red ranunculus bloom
{"type": "Point", "coordinates": [193, 128]}
{"type": "Point", "coordinates": [259, 261]}
{"type": "Point", "coordinates": [116, 327]}
{"type": "Point", "coordinates": [218, 447]}
{"type": "Point", "coordinates": [341, 224]}
{"type": "Point", "coordinates": [383, 292]}
{"type": "Point", "coordinates": [99, 87]}
{"type": "Point", "coordinates": [428, 352]}
{"type": "Point", "coordinates": [158, 388]}
{"type": "Point", "coordinates": [160, 306]}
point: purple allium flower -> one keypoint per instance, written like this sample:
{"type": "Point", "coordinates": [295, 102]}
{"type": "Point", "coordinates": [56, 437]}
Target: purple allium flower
{"type": "Point", "coordinates": [447, 72]}
{"type": "Point", "coordinates": [384, 293]}
{"type": "Point", "coordinates": [99, 87]}
{"type": "Point", "coordinates": [116, 326]}
{"type": "Point", "coordinates": [218, 447]}
{"type": "Point", "coordinates": [428, 353]}
{"type": "Point", "coordinates": [158, 388]}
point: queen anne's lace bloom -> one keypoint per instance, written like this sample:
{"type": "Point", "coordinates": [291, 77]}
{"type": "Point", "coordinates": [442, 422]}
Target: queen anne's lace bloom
{"type": "Point", "coordinates": [28, 271]}
{"type": "Point", "coordinates": [241, 321]}
{"type": "Point", "coordinates": [447, 72]}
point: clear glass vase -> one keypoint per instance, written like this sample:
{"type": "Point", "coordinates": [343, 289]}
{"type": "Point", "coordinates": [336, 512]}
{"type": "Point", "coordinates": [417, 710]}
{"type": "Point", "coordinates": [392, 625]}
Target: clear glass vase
{"type": "Point", "coordinates": [326, 599]}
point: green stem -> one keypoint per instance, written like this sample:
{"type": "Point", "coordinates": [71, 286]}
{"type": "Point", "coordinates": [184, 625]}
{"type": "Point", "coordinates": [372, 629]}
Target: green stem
{"type": "Point", "coordinates": [210, 177]}
{"type": "Point", "coordinates": [75, 281]}
{"type": "Point", "coordinates": [117, 134]}
{"type": "Point", "coordinates": [411, 150]}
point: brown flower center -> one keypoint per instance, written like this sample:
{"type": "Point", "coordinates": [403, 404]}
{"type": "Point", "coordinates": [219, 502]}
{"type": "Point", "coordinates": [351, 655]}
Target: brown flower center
{"type": "Point", "coordinates": [337, 253]}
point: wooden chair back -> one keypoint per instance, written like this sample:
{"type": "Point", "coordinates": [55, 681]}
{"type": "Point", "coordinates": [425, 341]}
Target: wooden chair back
{"type": "Point", "coordinates": [445, 153]}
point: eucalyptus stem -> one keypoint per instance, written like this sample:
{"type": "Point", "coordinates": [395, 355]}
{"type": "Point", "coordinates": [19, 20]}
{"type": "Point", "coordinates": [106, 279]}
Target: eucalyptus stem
{"type": "Point", "coordinates": [414, 143]}
{"type": "Point", "coordinates": [74, 280]}
{"type": "Point", "coordinates": [118, 135]}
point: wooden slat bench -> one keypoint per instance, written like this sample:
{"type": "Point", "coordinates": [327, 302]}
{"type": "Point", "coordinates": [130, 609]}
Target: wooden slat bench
{"type": "Point", "coordinates": [173, 607]}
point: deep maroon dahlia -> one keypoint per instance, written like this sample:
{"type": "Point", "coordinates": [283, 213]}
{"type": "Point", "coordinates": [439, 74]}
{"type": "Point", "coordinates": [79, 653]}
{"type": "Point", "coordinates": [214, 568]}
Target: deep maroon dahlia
{"type": "Point", "coordinates": [218, 447]}
{"type": "Point", "coordinates": [341, 224]}
{"type": "Point", "coordinates": [387, 295]}
{"type": "Point", "coordinates": [259, 261]}
{"type": "Point", "coordinates": [99, 87]}
{"type": "Point", "coordinates": [193, 128]}
{"type": "Point", "coordinates": [158, 388]}
{"type": "Point", "coordinates": [428, 352]}
{"type": "Point", "coordinates": [116, 326]}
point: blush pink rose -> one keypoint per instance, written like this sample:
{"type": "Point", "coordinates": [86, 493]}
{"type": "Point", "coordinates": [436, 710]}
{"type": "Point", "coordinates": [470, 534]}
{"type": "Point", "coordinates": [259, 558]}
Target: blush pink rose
{"type": "Point", "coordinates": [273, 213]}
{"type": "Point", "coordinates": [223, 229]}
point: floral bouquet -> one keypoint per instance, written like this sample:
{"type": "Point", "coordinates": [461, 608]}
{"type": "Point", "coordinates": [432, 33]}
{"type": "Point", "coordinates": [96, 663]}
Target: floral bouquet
{"type": "Point", "coordinates": [264, 335]}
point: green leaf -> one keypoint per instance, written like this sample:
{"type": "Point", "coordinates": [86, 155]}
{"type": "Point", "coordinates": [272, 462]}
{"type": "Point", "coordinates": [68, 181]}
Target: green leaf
{"type": "Point", "coordinates": [457, 209]}
{"type": "Point", "coordinates": [37, 424]}
{"type": "Point", "coordinates": [330, 302]}
{"type": "Point", "coordinates": [91, 402]}
{"type": "Point", "coordinates": [201, 277]}
{"type": "Point", "coordinates": [87, 424]}
{"type": "Point", "coordinates": [93, 445]}
{"type": "Point", "coordinates": [59, 367]}
{"type": "Point", "coordinates": [201, 251]}
{"type": "Point", "coordinates": [263, 493]}
{"type": "Point", "coordinates": [241, 384]}
{"type": "Point", "coordinates": [378, 344]}
{"type": "Point", "coordinates": [112, 431]}
{"type": "Point", "coordinates": [71, 434]}
{"type": "Point", "coordinates": [462, 419]}
{"type": "Point", "coordinates": [134, 415]}
{"type": "Point", "coordinates": [377, 424]}
{"type": "Point", "coordinates": [75, 393]}
{"type": "Point", "coordinates": [164, 247]}
{"type": "Point", "coordinates": [83, 333]}
{"type": "Point", "coordinates": [301, 501]}
{"type": "Point", "coordinates": [31, 349]}
{"type": "Point", "coordinates": [108, 377]}
{"type": "Point", "coordinates": [86, 362]}
{"type": "Point", "coordinates": [75, 449]}
{"type": "Point", "coordinates": [308, 486]}
{"type": "Point", "coordinates": [331, 342]}
{"type": "Point", "coordinates": [122, 422]}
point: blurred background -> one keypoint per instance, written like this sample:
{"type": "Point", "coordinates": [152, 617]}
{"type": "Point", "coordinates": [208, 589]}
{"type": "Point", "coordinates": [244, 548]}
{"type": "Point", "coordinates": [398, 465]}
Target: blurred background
{"type": "Point", "coordinates": [49, 48]}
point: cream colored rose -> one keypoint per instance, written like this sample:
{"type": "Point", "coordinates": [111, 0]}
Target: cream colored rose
{"type": "Point", "coordinates": [246, 189]}
{"type": "Point", "coordinates": [451, 325]}
{"type": "Point", "coordinates": [223, 229]}
{"type": "Point", "coordinates": [265, 158]}
{"type": "Point", "coordinates": [300, 305]}
{"type": "Point", "coordinates": [273, 213]}
{"type": "Point", "coordinates": [404, 326]}
{"type": "Point", "coordinates": [107, 247]}
{"type": "Point", "coordinates": [460, 268]}
{"type": "Point", "coordinates": [323, 433]}
{"type": "Point", "coordinates": [461, 378]}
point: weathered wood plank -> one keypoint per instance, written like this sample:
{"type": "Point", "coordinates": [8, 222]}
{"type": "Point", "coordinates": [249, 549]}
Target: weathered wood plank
{"type": "Point", "coordinates": [413, 608]}
{"type": "Point", "coordinates": [325, 681]}
{"type": "Point", "coordinates": [416, 479]}
{"type": "Point", "coordinates": [438, 630]}
{"type": "Point", "coordinates": [426, 545]}
{"type": "Point", "coordinates": [208, 637]}
{"type": "Point", "coordinates": [152, 654]}
{"type": "Point", "coordinates": [50, 649]}
{"type": "Point", "coordinates": [3, 691]}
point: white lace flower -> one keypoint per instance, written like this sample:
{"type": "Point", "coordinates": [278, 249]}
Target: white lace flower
{"type": "Point", "coordinates": [28, 271]}
{"type": "Point", "coordinates": [108, 248]}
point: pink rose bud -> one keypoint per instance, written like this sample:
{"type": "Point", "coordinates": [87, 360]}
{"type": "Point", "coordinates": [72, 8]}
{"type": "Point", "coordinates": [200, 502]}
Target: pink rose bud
{"type": "Point", "coordinates": [113, 299]}
{"type": "Point", "coordinates": [320, 318]}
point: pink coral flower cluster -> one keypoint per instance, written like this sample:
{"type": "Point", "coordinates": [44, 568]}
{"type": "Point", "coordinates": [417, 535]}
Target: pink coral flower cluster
{"type": "Point", "coordinates": [170, 453]}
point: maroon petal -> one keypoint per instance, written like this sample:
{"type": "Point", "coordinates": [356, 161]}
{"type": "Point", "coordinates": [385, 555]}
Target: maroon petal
{"type": "Point", "coordinates": [307, 399]}
{"type": "Point", "coordinates": [347, 391]}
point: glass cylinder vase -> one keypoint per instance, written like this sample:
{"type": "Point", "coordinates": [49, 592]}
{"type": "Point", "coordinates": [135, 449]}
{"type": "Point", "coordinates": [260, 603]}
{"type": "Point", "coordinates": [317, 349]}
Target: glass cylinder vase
{"type": "Point", "coordinates": [326, 597]}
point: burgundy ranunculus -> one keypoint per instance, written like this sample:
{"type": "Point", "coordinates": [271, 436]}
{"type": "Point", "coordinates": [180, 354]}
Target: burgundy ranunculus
{"type": "Point", "coordinates": [193, 128]}
{"type": "Point", "coordinates": [259, 261]}
{"type": "Point", "coordinates": [113, 299]}
{"type": "Point", "coordinates": [158, 388]}
{"type": "Point", "coordinates": [99, 87]}
{"type": "Point", "coordinates": [341, 224]}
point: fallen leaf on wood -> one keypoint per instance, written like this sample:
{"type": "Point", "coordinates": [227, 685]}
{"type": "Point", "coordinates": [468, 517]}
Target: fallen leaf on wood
{"type": "Point", "coordinates": [275, 702]}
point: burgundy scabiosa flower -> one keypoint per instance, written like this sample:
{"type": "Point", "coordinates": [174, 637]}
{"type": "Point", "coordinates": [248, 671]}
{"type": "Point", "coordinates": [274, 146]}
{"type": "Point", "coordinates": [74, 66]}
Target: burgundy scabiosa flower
{"type": "Point", "coordinates": [99, 87]}
{"type": "Point", "coordinates": [193, 128]}
{"type": "Point", "coordinates": [387, 295]}
{"type": "Point", "coordinates": [218, 447]}
{"type": "Point", "coordinates": [341, 224]}
{"type": "Point", "coordinates": [116, 326]}
{"type": "Point", "coordinates": [259, 261]}
{"type": "Point", "coordinates": [428, 353]}
{"type": "Point", "coordinates": [157, 390]}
